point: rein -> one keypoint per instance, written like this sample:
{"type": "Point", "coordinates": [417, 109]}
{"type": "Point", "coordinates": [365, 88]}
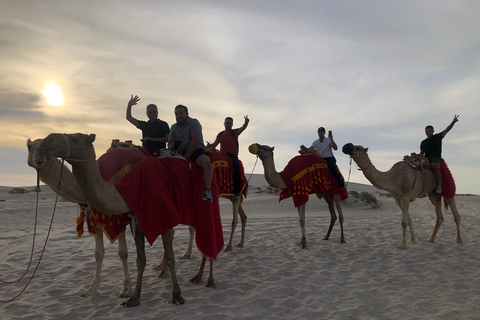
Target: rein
{"type": "Point", "coordinates": [251, 174]}
{"type": "Point", "coordinates": [33, 244]}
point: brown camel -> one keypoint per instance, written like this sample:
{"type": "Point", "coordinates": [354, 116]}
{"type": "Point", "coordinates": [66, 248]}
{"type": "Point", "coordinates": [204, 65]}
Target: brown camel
{"type": "Point", "coordinates": [78, 150]}
{"type": "Point", "coordinates": [72, 192]}
{"type": "Point", "coordinates": [405, 184]}
{"type": "Point", "coordinates": [265, 153]}
{"type": "Point", "coordinates": [237, 210]}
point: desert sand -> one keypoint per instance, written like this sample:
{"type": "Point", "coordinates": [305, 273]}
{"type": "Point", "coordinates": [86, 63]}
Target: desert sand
{"type": "Point", "coordinates": [368, 277]}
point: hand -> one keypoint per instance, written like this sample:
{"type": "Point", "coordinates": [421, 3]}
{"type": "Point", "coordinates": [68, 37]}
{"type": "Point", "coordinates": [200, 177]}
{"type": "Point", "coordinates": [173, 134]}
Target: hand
{"type": "Point", "coordinates": [246, 119]}
{"type": "Point", "coordinates": [455, 119]}
{"type": "Point", "coordinates": [133, 100]}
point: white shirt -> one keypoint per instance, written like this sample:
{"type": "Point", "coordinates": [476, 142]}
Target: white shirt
{"type": "Point", "coordinates": [323, 147]}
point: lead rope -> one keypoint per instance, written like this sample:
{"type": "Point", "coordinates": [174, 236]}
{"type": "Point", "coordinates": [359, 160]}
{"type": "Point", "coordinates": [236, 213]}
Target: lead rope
{"type": "Point", "coordinates": [349, 172]}
{"type": "Point", "coordinates": [33, 245]}
{"type": "Point", "coordinates": [251, 174]}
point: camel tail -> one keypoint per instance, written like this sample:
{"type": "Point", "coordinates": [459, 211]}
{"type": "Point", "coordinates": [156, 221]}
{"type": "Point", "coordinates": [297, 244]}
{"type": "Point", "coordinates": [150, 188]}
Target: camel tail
{"type": "Point", "coordinates": [445, 204]}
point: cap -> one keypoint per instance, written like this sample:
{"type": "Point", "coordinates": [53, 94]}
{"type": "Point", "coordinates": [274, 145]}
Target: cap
{"type": "Point", "coordinates": [321, 129]}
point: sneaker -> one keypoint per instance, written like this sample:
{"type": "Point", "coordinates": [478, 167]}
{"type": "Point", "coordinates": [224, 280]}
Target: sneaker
{"type": "Point", "coordinates": [207, 196]}
{"type": "Point", "coordinates": [439, 189]}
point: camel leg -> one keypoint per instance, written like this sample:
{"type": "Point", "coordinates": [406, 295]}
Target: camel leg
{"type": "Point", "coordinates": [436, 200]}
{"type": "Point", "coordinates": [333, 217]}
{"type": "Point", "coordinates": [301, 216]}
{"type": "Point", "coordinates": [141, 263]}
{"type": "Point", "coordinates": [235, 203]}
{"type": "Point", "coordinates": [404, 204]}
{"type": "Point", "coordinates": [456, 217]}
{"type": "Point", "coordinates": [338, 203]}
{"type": "Point", "coordinates": [199, 275]}
{"type": "Point", "coordinates": [127, 290]}
{"type": "Point", "coordinates": [211, 281]}
{"type": "Point", "coordinates": [243, 218]}
{"type": "Point", "coordinates": [167, 238]}
{"type": "Point", "coordinates": [188, 254]}
{"type": "Point", "coordinates": [99, 255]}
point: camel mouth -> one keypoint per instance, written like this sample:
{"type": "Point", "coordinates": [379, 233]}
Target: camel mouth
{"type": "Point", "coordinates": [253, 148]}
{"type": "Point", "coordinates": [348, 149]}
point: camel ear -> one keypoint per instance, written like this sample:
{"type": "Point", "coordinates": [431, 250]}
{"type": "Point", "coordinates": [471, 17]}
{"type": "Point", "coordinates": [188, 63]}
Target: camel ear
{"type": "Point", "coordinates": [29, 143]}
{"type": "Point", "coordinates": [91, 138]}
{"type": "Point", "coordinates": [366, 149]}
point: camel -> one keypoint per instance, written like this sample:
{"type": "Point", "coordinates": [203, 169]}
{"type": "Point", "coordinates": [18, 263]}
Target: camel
{"type": "Point", "coordinates": [405, 184]}
{"type": "Point", "coordinates": [237, 210]}
{"type": "Point", "coordinates": [265, 153]}
{"type": "Point", "coordinates": [78, 150]}
{"type": "Point", "coordinates": [72, 192]}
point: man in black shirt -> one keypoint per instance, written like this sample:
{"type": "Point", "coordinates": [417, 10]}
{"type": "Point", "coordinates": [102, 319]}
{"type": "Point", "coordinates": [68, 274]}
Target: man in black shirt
{"type": "Point", "coordinates": [154, 131]}
{"type": "Point", "coordinates": [432, 149]}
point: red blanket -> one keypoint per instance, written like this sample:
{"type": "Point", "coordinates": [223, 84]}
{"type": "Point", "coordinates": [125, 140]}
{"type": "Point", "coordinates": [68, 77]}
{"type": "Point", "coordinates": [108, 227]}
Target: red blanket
{"type": "Point", "coordinates": [448, 183]}
{"type": "Point", "coordinates": [164, 192]}
{"type": "Point", "coordinates": [307, 174]}
{"type": "Point", "coordinates": [114, 165]}
{"type": "Point", "coordinates": [223, 167]}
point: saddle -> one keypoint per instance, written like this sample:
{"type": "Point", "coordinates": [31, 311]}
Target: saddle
{"type": "Point", "coordinates": [417, 161]}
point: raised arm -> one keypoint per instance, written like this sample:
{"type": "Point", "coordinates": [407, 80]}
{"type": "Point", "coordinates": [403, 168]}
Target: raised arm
{"type": "Point", "coordinates": [334, 145]}
{"type": "Point", "coordinates": [245, 125]}
{"type": "Point", "coordinates": [133, 101]}
{"type": "Point", "coordinates": [450, 126]}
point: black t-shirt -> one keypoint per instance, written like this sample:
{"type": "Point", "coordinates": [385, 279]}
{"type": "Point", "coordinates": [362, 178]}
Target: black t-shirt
{"type": "Point", "coordinates": [157, 129]}
{"type": "Point", "coordinates": [432, 146]}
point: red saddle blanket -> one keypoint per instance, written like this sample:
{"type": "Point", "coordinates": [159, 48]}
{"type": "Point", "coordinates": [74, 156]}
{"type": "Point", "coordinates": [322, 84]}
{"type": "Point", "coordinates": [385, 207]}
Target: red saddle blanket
{"type": "Point", "coordinates": [114, 165]}
{"type": "Point", "coordinates": [308, 174]}
{"type": "Point", "coordinates": [222, 165]}
{"type": "Point", "coordinates": [165, 192]}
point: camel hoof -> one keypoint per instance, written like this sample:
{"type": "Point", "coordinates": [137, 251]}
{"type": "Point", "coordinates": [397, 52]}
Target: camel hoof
{"type": "Point", "coordinates": [131, 303]}
{"type": "Point", "coordinates": [196, 279]}
{"type": "Point", "coordinates": [402, 246]}
{"type": "Point", "coordinates": [459, 241]}
{"type": "Point", "coordinates": [326, 238]}
{"type": "Point", "coordinates": [343, 241]}
{"type": "Point", "coordinates": [240, 245]}
{"type": "Point", "coordinates": [228, 248]}
{"type": "Point", "coordinates": [211, 284]}
{"type": "Point", "coordinates": [186, 256]}
{"type": "Point", "coordinates": [431, 240]}
{"type": "Point", "coordinates": [176, 300]}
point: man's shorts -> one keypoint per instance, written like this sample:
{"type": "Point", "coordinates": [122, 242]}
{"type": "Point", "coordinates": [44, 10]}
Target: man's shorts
{"type": "Point", "coordinates": [434, 159]}
{"type": "Point", "coordinates": [197, 153]}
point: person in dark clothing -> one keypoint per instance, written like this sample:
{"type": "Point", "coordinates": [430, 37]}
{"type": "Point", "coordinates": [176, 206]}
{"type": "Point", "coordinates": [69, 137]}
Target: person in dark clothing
{"type": "Point", "coordinates": [431, 148]}
{"type": "Point", "coordinates": [154, 131]}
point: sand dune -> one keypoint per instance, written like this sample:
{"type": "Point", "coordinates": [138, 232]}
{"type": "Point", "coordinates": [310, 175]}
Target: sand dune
{"type": "Point", "coordinates": [369, 277]}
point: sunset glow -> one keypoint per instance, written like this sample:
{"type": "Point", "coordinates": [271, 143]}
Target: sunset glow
{"type": "Point", "coordinates": [53, 94]}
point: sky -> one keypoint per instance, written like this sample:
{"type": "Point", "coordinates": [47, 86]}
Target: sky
{"type": "Point", "coordinates": [374, 72]}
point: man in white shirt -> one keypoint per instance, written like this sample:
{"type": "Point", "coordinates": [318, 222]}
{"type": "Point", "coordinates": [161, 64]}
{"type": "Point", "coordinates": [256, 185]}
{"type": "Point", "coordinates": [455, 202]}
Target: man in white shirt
{"type": "Point", "coordinates": [324, 147]}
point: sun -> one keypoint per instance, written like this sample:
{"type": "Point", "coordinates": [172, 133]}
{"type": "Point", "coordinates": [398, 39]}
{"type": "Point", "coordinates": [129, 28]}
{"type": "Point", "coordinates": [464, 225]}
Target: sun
{"type": "Point", "coordinates": [53, 94]}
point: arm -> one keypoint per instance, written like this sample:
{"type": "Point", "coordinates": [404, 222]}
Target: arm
{"type": "Point", "coordinates": [334, 145]}
{"type": "Point", "coordinates": [133, 101]}
{"type": "Point", "coordinates": [213, 145]}
{"type": "Point", "coordinates": [164, 139]}
{"type": "Point", "coordinates": [450, 126]}
{"type": "Point", "coordinates": [245, 125]}
{"type": "Point", "coordinates": [193, 145]}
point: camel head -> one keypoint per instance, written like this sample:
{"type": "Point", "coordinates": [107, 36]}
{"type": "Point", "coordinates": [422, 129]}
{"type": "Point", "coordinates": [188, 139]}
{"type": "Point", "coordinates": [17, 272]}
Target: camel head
{"type": "Point", "coordinates": [351, 150]}
{"type": "Point", "coordinates": [76, 146]}
{"type": "Point", "coordinates": [32, 148]}
{"type": "Point", "coordinates": [260, 150]}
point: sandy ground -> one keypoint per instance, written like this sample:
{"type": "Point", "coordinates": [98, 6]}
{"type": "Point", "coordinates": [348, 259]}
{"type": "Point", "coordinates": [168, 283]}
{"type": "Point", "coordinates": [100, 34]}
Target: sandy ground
{"type": "Point", "coordinates": [368, 277]}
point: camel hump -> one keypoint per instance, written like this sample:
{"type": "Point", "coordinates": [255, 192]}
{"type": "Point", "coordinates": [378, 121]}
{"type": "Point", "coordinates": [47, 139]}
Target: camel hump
{"type": "Point", "coordinates": [415, 160]}
{"type": "Point", "coordinates": [116, 143]}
